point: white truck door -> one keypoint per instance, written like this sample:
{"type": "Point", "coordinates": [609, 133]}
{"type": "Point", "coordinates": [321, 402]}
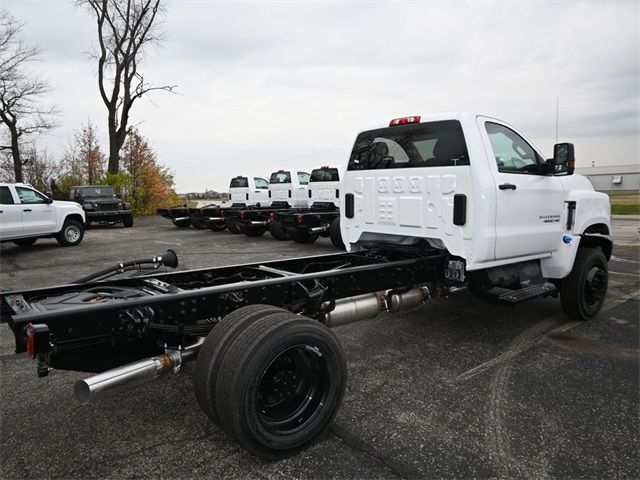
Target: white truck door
{"type": "Point", "coordinates": [261, 192]}
{"type": "Point", "coordinates": [405, 181]}
{"type": "Point", "coordinates": [10, 214]}
{"type": "Point", "coordinates": [38, 214]}
{"type": "Point", "coordinates": [302, 190]}
{"type": "Point", "coordinates": [529, 204]}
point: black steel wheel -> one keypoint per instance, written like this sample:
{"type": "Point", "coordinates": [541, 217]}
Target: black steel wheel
{"type": "Point", "coordinates": [254, 231]}
{"type": "Point", "coordinates": [25, 242]}
{"type": "Point", "coordinates": [217, 227]}
{"type": "Point", "coordinates": [212, 352]}
{"type": "Point", "coordinates": [233, 226]}
{"type": "Point", "coordinates": [281, 382]}
{"type": "Point", "coordinates": [197, 222]}
{"type": "Point", "coordinates": [183, 223]}
{"type": "Point", "coordinates": [302, 236]}
{"type": "Point", "coordinates": [335, 234]}
{"type": "Point", "coordinates": [583, 292]}
{"type": "Point", "coordinates": [277, 231]}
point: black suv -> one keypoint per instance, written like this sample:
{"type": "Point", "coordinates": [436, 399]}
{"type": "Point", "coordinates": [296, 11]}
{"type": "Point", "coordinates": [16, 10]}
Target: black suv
{"type": "Point", "coordinates": [101, 204]}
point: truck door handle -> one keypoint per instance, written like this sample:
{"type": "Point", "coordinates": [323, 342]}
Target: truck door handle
{"type": "Point", "coordinates": [507, 186]}
{"type": "Point", "coordinates": [26, 210]}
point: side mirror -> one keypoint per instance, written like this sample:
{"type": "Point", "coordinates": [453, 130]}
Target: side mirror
{"type": "Point", "coordinates": [48, 200]}
{"type": "Point", "coordinates": [564, 158]}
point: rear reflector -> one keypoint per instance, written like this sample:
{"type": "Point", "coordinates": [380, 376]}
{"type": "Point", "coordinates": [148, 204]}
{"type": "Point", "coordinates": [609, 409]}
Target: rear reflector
{"type": "Point", "coordinates": [37, 339]}
{"type": "Point", "coordinates": [404, 120]}
{"type": "Point", "coordinates": [241, 214]}
{"type": "Point", "coordinates": [272, 216]}
{"type": "Point", "coordinates": [299, 218]}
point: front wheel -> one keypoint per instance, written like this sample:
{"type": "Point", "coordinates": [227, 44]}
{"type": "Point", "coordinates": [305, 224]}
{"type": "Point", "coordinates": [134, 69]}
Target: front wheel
{"type": "Point", "coordinates": [335, 234]}
{"type": "Point", "coordinates": [582, 293]}
{"type": "Point", "coordinates": [71, 233]}
{"type": "Point", "coordinates": [25, 242]}
{"type": "Point", "coordinates": [280, 383]}
{"type": "Point", "coordinates": [127, 221]}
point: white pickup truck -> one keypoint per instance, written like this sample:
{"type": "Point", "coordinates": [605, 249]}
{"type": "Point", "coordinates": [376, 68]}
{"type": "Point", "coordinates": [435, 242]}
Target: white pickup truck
{"type": "Point", "coordinates": [289, 188]}
{"type": "Point", "coordinates": [249, 191]}
{"type": "Point", "coordinates": [26, 215]}
{"type": "Point", "coordinates": [473, 186]}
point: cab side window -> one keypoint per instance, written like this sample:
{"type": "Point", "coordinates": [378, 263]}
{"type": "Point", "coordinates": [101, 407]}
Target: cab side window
{"type": "Point", "coordinates": [5, 196]}
{"type": "Point", "coordinates": [30, 196]}
{"type": "Point", "coordinates": [261, 183]}
{"type": "Point", "coordinates": [512, 152]}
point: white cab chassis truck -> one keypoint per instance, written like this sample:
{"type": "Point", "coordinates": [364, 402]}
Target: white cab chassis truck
{"type": "Point", "coordinates": [429, 205]}
{"type": "Point", "coordinates": [475, 187]}
{"type": "Point", "coordinates": [27, 215]}
{"type": "Point", "coordinates": [289, 188]}
{"type": "Point", "coordinates": [249, 191]}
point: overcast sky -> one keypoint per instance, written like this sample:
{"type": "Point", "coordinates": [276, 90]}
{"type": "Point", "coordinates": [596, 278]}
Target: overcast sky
{"type": "Point", "coordinates": [269, 85]}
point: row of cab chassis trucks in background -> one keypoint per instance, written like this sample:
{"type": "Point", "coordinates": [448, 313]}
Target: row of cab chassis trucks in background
{"type": "Point", "coordinates": [292, 205]}
{"type": "Point", "coordinates": [428, 206]}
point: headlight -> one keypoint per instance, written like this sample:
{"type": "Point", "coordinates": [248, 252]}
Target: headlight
{"type": "Point", "coordinates": [87, 206]}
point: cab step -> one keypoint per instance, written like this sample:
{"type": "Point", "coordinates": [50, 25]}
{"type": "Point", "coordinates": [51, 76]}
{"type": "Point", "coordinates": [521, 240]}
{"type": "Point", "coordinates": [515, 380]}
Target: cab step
{"type": "Point", "coordinates": [516, 296]}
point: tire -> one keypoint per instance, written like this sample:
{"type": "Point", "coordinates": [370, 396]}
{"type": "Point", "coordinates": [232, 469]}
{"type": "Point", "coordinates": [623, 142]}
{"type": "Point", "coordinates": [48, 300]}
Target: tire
{"type": "Point", "coordinates": [25, 242]}
{"type": "Point", "coordinates": [217, 228]}
{"type": "Point", "coordinates": [251, 231]}
{"type": "Point", "coordinates": [127, 221]}
{"type": "Point", "coordinates": [277, 231]}
{"type": "Point", "coordinates": [182, 223]}
{"type": "Point", "coordinates": [583, 292]}
{"type": "Point", "coordinates": [233, 227]}
{"type": "Point", "coordinates": [198, 223]}
{"type": "Point", "coordinates": [212, 352]}
{"type": "Point", "coordinates": [303, 237]}
{"type": "Point", "coordinates": [325, 234]}
{"type": "Point", "coordinates": [335, 234]}
{"type": "Point", "coordinates": [280, 384]}
{"type": "Point", "coordinates": [71, 234]}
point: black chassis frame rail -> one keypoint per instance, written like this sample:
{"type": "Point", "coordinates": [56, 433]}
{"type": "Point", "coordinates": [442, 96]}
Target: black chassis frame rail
{"type": "Point", "coordinates": [98, 332]}
{"type": "Point", "coordinates": [311, 217]}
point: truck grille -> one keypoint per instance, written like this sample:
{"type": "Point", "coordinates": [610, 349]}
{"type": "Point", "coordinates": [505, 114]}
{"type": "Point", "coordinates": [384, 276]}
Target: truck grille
{"type": "Point", "coordinates": [107, 206]}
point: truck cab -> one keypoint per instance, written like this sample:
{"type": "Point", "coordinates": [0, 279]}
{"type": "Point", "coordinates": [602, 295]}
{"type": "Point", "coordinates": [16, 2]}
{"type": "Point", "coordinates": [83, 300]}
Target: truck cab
{"type": "Point", "coordinates": [247, 191]}
{"type": "Point", "coordinates": [324, 187]}
{"type": "Point", "coordinates": [289, 188]}
{"type": "Point", "coordinates": [474, 186]}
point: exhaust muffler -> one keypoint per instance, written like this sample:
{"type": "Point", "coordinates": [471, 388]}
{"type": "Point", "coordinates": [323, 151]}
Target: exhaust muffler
{"type": "Point", "coordinates": [92, 389]}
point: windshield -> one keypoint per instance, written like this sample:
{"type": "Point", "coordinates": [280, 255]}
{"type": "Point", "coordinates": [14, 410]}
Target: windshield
{"type": "Point", "coordinates": [435, 144]}
{"type": "Point", "coordinates": [97, 192]}
{"type": "Point", "coordinates": [280, 177]}
{"type": "Point", "coordinates": [239, 182]}
{"type": "Point", "coordinates": [324, 175]}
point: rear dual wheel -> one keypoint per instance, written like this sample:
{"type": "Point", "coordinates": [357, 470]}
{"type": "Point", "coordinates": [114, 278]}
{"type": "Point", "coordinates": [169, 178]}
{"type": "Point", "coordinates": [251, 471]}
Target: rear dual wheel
{"type": "Point", "coordinates": [184, 223]}
{"type": "Point", "coordinates": [277, 231]}
{"type": "Point", "coordinates": [233, 226]}
{"type": "Point", "coordinates": [254, 231]}
{"type": "Point", "coordinates": [271, 379]}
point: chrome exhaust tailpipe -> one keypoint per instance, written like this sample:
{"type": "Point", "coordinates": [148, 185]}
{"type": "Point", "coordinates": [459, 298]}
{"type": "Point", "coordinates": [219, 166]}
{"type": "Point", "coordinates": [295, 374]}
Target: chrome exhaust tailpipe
{"type": "Point", "coordinates": [322, 229]}
{"type": "Point", "coordinates": [92, 389]}
{"type": "Point", "coordinates": [370, 305]}
{"type": "Point", "coordinates": [180, 219]}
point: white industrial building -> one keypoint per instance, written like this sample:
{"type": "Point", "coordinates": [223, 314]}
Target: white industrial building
{"type": "Point", "coordinates": [614, 178]}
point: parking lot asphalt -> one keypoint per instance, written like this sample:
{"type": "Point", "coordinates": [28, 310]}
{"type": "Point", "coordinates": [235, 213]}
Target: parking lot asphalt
{"type": "Point", "coordinates": [457, 388]}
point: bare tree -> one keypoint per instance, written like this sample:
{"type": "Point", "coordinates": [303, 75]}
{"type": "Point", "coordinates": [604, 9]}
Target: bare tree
{"type": "Point", "coordinates": [20, 91]}
{"type": "Point", "coordinates": [125, 29]}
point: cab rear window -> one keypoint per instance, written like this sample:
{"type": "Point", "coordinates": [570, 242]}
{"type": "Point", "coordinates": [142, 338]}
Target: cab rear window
{"type": "Point", "coordinates": [280, 177]}
{"type": "Point", "coordinates": [325, 175]}
{"type": "Point", "coordinates": [239, 182]}
{"type": "Point", "coordinates": [433, 144]}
